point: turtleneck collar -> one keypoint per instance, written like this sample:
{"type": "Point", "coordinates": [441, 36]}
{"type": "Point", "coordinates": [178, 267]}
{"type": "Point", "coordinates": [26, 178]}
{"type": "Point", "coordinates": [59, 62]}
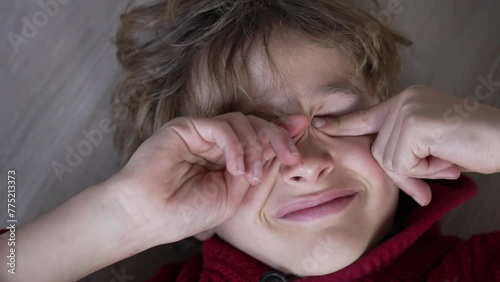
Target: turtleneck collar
{"type": "Point", "coordinates": [230, 264]}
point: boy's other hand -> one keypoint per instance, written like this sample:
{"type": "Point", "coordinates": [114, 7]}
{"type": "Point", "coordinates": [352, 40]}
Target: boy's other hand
{"type": "Point", "coordinates": [423, 133]}
{"type": "Point", "coordinates": [192, 174]}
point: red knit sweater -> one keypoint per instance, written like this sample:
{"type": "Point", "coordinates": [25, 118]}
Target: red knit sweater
{"type": "Point", "coordinates": [416, 253]}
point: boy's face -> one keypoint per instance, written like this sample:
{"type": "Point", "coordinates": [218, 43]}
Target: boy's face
{"type": "Point", "coordinates": [273, 223]}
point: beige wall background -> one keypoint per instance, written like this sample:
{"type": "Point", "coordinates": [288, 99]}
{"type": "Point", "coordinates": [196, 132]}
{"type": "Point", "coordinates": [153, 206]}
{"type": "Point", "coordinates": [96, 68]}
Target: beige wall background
{"type": "Point", "coordinates": [56, 83]}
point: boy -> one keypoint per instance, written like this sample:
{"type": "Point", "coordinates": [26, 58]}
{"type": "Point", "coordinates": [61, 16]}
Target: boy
{"type": "Point", "coordinates": [267, 129]}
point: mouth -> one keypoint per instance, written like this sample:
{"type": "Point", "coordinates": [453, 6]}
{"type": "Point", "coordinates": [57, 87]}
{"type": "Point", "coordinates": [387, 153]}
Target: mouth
{"type": "Point", "coordinates": [316, 206]}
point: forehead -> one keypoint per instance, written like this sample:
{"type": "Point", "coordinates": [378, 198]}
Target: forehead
{"type": "Point", "coordinates": [300, 72]}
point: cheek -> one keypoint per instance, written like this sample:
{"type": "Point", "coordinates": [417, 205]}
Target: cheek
{"type": "Point", "coordinates": [383, 193]}
{"type": "Point", "coordinates": [359, 157]}
{"type": "Point", "coordinates": [251, 209]}
{"type": "Point", "coordinates": [361, 163]}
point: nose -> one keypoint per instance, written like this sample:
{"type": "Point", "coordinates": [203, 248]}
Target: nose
{"type": "Point", "coordinates": [316, 164]}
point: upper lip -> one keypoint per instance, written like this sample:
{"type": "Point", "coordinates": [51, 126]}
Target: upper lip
{"type": "Point", "coordinates": [314, 200]}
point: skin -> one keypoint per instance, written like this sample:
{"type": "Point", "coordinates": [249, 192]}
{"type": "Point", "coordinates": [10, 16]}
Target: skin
{"type": "Point", "coordinates": [327, 244]}
{"type": "Point", "coordinates": [425, 133]}
{"type": "Point", "coordinates": [184, 180]}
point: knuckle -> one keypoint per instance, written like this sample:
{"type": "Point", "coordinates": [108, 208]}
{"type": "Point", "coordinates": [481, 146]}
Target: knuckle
{"type": "Point", "coordinates": [387, 162]}
{"type": "Point", "coordinates": [412, 91]}
{"type": "Point", "coordinates": [220, 124]}
{"type": "Point", "coordinates": [424, 145]}
{"type": "Point", "coordinates": [252, 117]}
{"type": "Point", "coordinates": [253, 149]}
{"type": "Point", "coordinates": [399, 166]}
{"type": "Point", "coordinates": [236, 144]}
{"type": "Point", "coordinates": [264, 134]}
{"type": "Point", "coordinates": [223, 124]}
{"type": "Point", "coordinates": [377, 153]}
{"type": "Point", "coordinates": [224, 127]}
{"type": "Point", "coordinates": [237, 115]}
{"type": "Point", "coordinates": [409, 108]}
{"type": "Point", "coordinates": [411, 114]}
{"type": "Point", "coordinates": [180, 125]}
{"type": "Point", "coordinates": [179, 121]}
{"type": "Point", "coordinates": [412, 121]}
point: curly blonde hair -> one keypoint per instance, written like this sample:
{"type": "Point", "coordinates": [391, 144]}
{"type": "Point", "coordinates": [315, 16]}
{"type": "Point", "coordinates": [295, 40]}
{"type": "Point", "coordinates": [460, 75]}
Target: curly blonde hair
{"type": "Point", "coordinates": [162, 44]}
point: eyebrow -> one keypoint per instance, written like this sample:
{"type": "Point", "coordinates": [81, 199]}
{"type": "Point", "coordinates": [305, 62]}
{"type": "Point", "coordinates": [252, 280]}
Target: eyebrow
{"type": "Point", "coordinates": [339, 87]}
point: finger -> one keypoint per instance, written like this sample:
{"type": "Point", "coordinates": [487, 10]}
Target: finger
{"type": "Point", "coordinates": [251, 145]}
{"type": "Point", "coordinates": [220, 133]}
{"type": "Point", "coordinates": [293, 124]}
{"type": "Point", "coordinates": [227, 196]}
{"type": "Point", "coordinates": [419, 163]}
{"type": "Point", "coordinates": [362, 122]}
{"type": "Point", "coordinates": [262, 127]}
{"type": "Point", "coordinates": [414, 164]}
{"type": "Point", "coordinates": [391, 142]}
{"type": "Point", "coordinates": [210, 204]}
{"type": "Point", "coordinates": [277, 139]}
{"type": "Point", "coordinates": [418, 189]}
{"type": "Point", "coordinates": [411, 155]}
{"type": "Point", "coordinates": [283, 145]}
{"type": "Point", "coordinates": [236, 187]}
{"type": "Point", "coordinates": [464, 169]}
{"type": "Point", "coordinates": [451, 173]}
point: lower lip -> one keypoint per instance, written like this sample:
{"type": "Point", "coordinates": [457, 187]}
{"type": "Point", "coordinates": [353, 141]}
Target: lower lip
{"type": "Point", "coordinates": [331, 207]}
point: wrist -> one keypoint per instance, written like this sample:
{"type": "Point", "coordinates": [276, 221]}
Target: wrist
{"type": "Point", "coordinates": [122, 206]}
{"type": "Point", "coordinates": [492, 137]}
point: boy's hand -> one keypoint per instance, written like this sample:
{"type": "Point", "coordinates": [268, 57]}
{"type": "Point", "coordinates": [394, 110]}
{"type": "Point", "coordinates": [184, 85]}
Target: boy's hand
{"type": "Point", "coordinates": [423, 133]}
{"type": "Point", "coordinates": [193, 173]}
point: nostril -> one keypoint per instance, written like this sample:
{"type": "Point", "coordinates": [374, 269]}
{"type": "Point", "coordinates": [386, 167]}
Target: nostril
{"type": "Point", "coordinates": [296, 178]}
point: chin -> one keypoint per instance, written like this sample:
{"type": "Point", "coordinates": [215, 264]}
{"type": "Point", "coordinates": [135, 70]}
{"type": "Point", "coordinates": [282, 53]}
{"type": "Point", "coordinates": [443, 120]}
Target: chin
{"type": "Point", "coordinates": [322, 261]}
{"type": "Point", "coordinates": [324, 268]}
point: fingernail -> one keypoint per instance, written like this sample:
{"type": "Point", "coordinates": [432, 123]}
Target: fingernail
{"type": "Point", "coordinates": [241, 165]}
{"type": "Point", "coordinates": [318, 122]}
{"type": "Point", "coordinates": [451, 176]}
{"type": "Point", "coordinates": [420, 201]}
{"type": "Point", "coordinates": [257, 171]}
{"type": "Point", "coordinates": [293, 148]}
{"type": "Point", "coordinates": [272, 155]}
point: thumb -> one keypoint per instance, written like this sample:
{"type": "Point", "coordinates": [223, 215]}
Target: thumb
{"type": "Point", "coordinates": [362, 122]}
